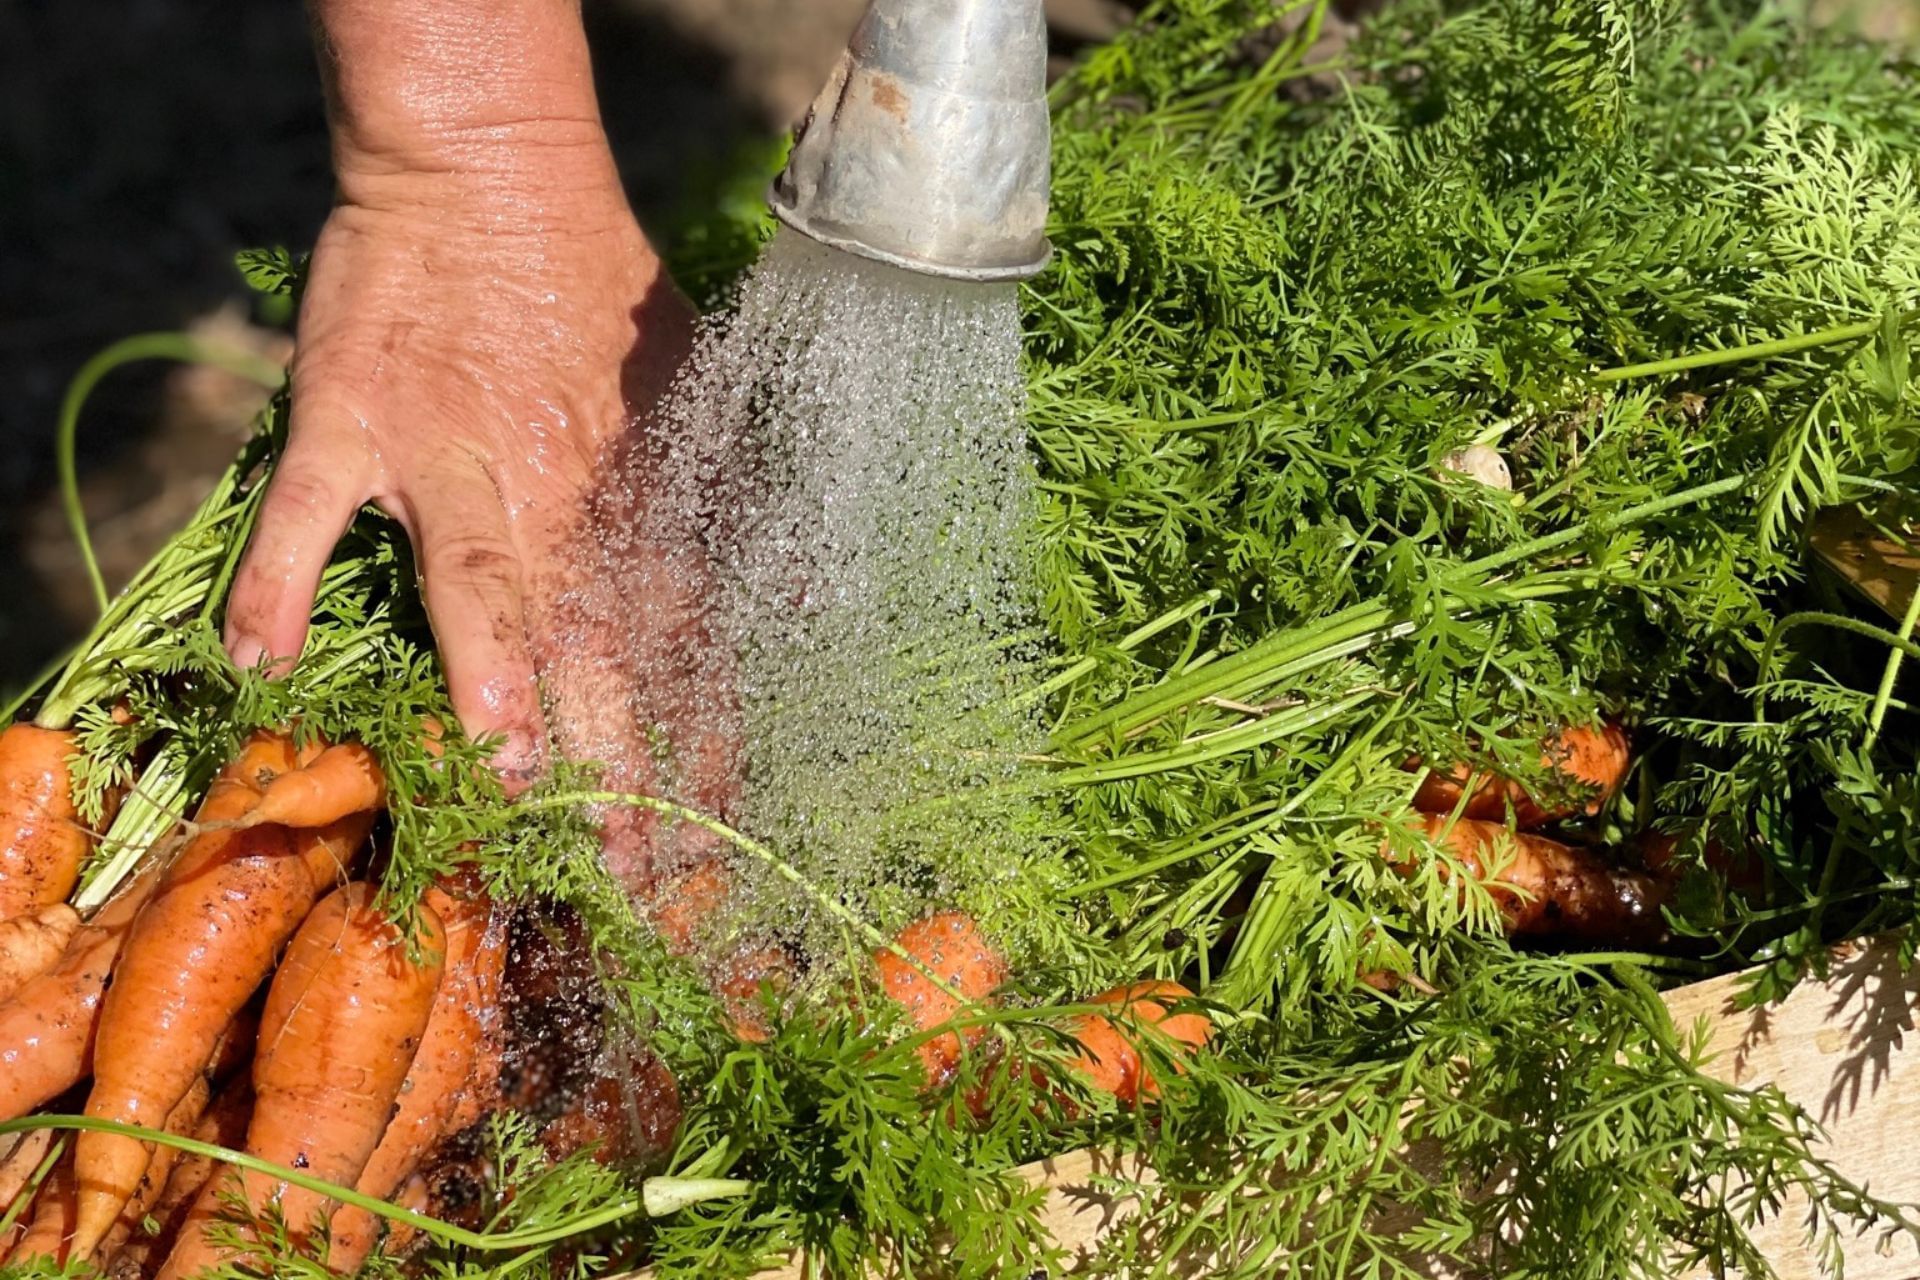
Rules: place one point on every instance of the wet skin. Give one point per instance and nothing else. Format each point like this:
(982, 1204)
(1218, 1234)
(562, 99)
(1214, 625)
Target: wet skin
(482, 318)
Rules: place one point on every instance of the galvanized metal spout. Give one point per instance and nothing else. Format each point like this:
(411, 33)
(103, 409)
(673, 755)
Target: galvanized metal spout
(929, 148)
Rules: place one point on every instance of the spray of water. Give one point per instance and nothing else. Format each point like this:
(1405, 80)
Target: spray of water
(834, 509)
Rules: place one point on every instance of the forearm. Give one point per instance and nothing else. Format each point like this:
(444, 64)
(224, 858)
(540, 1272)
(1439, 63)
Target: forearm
(455, 100)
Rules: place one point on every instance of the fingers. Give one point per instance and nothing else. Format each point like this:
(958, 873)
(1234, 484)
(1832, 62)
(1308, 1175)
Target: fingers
(472, 579)
(310, 501)
(470, 575)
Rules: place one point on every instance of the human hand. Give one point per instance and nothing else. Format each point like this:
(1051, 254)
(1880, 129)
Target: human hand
(462, 374)
(480, 313)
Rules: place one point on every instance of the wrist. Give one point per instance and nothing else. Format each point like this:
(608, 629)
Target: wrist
(458, 103)
(501, 184)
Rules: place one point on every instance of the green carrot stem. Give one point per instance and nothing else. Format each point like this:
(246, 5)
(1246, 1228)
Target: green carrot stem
(1274, 71)
(41, 679)
(176, 581)
(1354, 623)
(658, 1196)
(1209, 841)
(1829, 873)
(1739, 355)
(247, 513)
(1604, 523)
(1814, 617)
(1884, 695)
(156, 804)
(1216, 746)
(147, 346)
(1361, 625)
(1132, 640)
(1640, 959)
(1880, 888)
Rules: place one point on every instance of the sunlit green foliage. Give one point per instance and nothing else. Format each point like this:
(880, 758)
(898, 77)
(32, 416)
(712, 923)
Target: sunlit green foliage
(1665, 257)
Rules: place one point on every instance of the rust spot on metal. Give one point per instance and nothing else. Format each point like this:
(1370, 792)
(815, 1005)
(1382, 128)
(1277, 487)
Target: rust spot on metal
(888, 97)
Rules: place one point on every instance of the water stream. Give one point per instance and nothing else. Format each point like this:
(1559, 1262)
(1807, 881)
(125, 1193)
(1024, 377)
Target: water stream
(836, 498)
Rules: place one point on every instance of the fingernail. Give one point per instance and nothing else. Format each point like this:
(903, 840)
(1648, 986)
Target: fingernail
(246, 651)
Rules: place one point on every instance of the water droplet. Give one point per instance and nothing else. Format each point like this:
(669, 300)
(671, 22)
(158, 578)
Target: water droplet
(837, 493)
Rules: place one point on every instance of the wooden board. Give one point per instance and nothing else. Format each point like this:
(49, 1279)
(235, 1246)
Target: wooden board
(1881, 571)
(1841, 1049)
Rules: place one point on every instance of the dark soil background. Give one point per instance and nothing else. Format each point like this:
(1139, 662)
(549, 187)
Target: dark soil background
(142, 142)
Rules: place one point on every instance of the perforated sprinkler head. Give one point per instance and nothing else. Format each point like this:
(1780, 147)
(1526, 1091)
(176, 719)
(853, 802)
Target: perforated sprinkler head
(929, 147)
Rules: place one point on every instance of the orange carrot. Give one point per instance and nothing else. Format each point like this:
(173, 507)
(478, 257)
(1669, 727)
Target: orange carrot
(16, 1173)
(688, 901)
(1000, 1071)
(365, 1231)
(1584, 758)
(47, 1029)
(441, 1077)
(1110, 1057)
(482, 1095)
(653, 1106)
(185, 1119)
(195, 954)
(1546, 889)
(630, 1112)
(740, 980)
(683, 909)
(33, 943)
(19, 1161)
(233, 1053)
(339, 782)
(1741, 869)
(262, 758)
(50, 1234)
(223, 1124)
(479, 1094)
(343, 1019)
(594, 1122)
(192, 960)
(41, 839)
(951, 945)
(229, 1056)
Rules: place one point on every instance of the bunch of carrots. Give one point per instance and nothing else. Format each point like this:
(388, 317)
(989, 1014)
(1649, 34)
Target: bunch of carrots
(1548, 889)
(250, 993)
(1545, 889)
